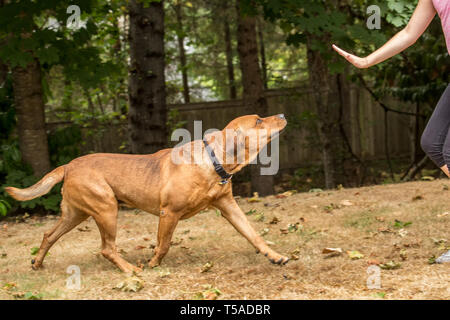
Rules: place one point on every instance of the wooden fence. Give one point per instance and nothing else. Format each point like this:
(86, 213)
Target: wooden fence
(364, 124)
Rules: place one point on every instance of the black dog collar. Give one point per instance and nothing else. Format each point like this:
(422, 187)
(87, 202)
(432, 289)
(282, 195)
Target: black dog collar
(217, 166)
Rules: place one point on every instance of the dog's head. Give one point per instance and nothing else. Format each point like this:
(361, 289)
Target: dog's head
(243, 138)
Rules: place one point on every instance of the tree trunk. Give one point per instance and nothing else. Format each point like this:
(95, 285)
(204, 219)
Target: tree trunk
(262, 52)
(147, 114)
(253, 97)
(182, 52)
(325, 90)
(30, 111)
(229, 56)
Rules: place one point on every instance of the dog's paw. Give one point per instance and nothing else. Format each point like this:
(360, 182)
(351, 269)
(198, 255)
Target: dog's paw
(281, 261)
(34, 266)
(153, 264)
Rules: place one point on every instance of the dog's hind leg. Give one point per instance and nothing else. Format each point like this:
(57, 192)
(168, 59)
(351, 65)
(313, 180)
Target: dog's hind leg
(107, 224)
(167, 223)
(70, 218)
(233, 213)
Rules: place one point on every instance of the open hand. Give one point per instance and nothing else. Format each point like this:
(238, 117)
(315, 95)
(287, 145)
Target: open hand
(358, 62)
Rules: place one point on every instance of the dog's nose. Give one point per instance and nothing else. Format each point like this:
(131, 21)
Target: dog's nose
(281, 116)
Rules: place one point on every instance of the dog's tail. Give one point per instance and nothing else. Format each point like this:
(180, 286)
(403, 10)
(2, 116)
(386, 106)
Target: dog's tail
(40, 188)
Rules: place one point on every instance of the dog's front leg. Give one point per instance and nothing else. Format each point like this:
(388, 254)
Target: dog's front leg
(233, 213)
(167, 223)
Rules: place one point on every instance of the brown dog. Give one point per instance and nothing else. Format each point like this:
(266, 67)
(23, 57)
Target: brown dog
(155, 183)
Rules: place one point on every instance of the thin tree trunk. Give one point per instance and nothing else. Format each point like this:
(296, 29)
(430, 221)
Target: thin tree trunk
(323, 86)
(147, 113)
(91, 107)
(182, 53)
(3, 73)
(30, 111)
(253, 96)
(229, 56)
(262, 53)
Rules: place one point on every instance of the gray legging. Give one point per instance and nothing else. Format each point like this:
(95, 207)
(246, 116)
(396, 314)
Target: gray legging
(436, 136)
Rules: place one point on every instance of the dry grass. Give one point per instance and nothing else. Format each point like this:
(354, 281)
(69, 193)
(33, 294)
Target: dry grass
(237, 271)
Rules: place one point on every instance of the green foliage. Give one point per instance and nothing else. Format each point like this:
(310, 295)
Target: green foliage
(14, 173)
(419, 75)
(4, 207)
(64, 144)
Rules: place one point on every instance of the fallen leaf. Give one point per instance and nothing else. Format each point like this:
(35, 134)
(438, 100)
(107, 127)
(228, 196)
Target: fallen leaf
(130, 284)
(381, 219)
(373, 262)
(34, 251)
(292, 227)
(295, 254)
(33, 296)
(419, 197)
(432, 260)
(19, 294)
(316, 190)
(163, 273)
(209, 294)
(355, 255)
(385, 230)
(260, 217)
(346, 203)
(428, 178)
(206, 267)
(402, 233)
(331, 250)
(255, 198)
(9, 286)
(275, 220)
(139, 247)
(391, 265)
(403, 254)
(443, 214)
(264, 231)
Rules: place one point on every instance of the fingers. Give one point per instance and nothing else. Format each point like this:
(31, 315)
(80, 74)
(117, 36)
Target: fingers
(356, 61)
(340, 51)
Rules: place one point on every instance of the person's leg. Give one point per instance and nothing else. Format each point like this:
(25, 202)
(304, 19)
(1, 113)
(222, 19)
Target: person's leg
(436, 132)
(436, 142)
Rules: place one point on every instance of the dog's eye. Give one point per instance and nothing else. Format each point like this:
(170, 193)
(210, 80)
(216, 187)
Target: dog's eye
(258, 121)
